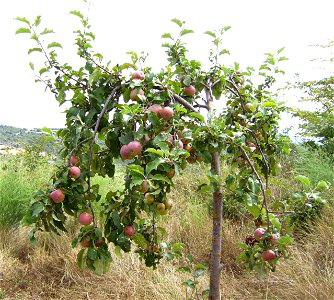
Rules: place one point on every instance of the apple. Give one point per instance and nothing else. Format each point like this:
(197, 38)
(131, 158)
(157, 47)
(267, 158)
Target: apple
(85, 218)
(134, 94)
(85, 243)
(274, 238)
(99, 242)
(156, 108)
(74, 160)
(239, 159)
(249, 107)
(168, 203)
(125, 152)
(179, 144)
(129, 230)
(268, 255)
(185, 135)
(138, 75)
(149, 198)
(259, 232)
(74, 172)
(143, 188)
(189, 90)
(259, 135)
(188, 147)
(251, 145)
(170, 173)
(156, 248)
(161, 207)
(166, 113)
(57, 196)
(135, 148)
(238, 72)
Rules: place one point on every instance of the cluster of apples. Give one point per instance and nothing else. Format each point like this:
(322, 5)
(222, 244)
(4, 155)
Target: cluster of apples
(74, 172)
(261, 234)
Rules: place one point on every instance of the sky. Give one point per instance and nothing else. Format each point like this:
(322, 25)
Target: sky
(258, 26)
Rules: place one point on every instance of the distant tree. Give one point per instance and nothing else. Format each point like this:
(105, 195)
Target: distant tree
(319, 122)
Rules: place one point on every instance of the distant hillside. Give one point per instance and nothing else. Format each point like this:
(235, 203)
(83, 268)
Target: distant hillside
(14, 137)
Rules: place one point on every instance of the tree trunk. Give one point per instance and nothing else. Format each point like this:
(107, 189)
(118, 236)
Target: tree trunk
(215, 260)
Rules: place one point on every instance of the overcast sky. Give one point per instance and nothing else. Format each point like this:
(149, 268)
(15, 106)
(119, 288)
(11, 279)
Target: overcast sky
(258, 26)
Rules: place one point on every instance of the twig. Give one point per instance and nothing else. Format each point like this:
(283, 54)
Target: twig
(110, 97)
(264, 203)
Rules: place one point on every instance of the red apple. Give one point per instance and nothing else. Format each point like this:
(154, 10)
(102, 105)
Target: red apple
(138, 75)
(85, 218)
(274, 238)
(85, 243)
(100, 242)
(135, 148)
(179, 144)
(125, 152)
(259, 232)
(155, 108)
(189, 90)
(166, 113)
(134, 94)
(57, 196)
(74, 160)
(74, 172)
(129, 230)
(251, 145)
(268, 255)
(238, 72)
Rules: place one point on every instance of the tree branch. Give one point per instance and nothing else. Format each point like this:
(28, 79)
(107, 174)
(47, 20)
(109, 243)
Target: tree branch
(264, 202)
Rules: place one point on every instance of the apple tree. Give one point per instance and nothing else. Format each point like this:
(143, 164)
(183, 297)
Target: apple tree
(156, 123)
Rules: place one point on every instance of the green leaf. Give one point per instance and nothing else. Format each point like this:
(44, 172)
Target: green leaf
(36, 208)
(116, 219)
(186, 31)
(140, 240)
(54, 44)
(177, 21)
(280, 50)
(167, 36)
(37, 21)
(92, 254)
(98, 266)
(206, 293)
(136, 169)
(322, 185)
(46, 130)
(77, 13)
(47, 31)
(152, 150)
(118, 252)
(22, 30)
(34, 50)
(153, 165)
(304, 180)
(184, 269)
(269, 104)
(22, 19)
(80, 259)
(211, 33)
(197, 115)
(224, 51)
(31, 65)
